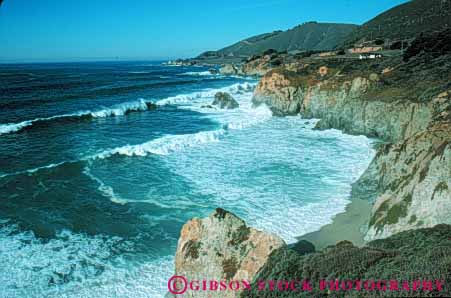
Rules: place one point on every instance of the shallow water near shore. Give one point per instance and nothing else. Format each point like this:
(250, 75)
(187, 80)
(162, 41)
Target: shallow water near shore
(95, 186)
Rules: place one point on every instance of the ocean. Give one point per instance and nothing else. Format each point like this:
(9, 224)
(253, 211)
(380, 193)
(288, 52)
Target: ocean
(95, 184)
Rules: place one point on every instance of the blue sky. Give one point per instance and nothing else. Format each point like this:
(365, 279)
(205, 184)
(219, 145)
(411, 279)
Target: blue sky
(71, 30)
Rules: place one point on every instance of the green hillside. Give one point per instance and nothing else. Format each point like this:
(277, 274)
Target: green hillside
(405, 21)
(308, 36)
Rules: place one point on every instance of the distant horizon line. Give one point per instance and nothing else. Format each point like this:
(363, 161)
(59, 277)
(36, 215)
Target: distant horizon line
(82, 60)
(118, 58)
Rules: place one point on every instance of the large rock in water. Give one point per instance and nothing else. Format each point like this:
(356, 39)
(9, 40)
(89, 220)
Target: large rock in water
(225, 101)
(230, 69)
(222, 247)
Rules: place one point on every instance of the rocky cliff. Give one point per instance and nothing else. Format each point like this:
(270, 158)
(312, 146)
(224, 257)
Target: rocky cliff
(222, 248)
(403, 101)
(406, 104)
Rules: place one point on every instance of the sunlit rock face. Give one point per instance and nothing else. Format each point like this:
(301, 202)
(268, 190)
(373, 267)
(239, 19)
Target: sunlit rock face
(409, 180)
(222, 247)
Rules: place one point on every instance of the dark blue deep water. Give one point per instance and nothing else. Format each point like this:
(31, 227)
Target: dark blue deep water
(95, 184)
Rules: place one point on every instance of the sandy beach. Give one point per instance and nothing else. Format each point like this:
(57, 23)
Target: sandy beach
(345, 226)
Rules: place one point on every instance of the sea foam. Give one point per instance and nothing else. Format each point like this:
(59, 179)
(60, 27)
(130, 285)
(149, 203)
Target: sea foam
(76, 265)
(195, 73)
(165, 145)
(242, 118)
(127, 107)
(208, 93)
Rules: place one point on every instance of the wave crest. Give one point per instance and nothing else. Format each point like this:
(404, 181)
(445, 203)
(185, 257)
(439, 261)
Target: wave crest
(165, 145)
(197, 73)
(117, 110)
(127, 107)
(238, 88)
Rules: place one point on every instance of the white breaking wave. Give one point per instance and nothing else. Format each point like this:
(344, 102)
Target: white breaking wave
(162, 146)
(13, 127)
(139, 105)
(165, 145)
(29, 264)
(195, 73)
(117, 110)
(238, 119)
(208, 93)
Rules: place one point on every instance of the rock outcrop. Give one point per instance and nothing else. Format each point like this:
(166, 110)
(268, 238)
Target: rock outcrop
(343, 105)
(413, 183)
(406, 104)
(258, 66)
(230, 69)
(224, 100)
(222, 247)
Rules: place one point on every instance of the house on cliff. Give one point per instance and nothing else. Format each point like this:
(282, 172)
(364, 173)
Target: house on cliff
(370, 56)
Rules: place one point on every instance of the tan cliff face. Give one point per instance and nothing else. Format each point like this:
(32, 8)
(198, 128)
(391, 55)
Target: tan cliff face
(279, 93)
(257, 67)
(415, 179)
(253, 67)
(409, 181)
(221, 247)
(340, 105)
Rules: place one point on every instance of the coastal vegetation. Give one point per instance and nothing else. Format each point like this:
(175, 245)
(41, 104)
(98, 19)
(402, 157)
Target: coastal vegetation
(407, 256)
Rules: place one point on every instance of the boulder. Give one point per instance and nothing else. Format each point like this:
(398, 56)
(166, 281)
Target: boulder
(222, 247)
(229, 69)
(225, 101)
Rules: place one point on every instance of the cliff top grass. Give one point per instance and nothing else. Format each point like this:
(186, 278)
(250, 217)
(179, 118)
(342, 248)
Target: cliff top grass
(420, 74)
(404, 22)
(412, 255)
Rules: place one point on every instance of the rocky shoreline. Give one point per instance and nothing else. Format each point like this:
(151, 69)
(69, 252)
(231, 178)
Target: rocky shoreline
(408, 181)
(403, 101)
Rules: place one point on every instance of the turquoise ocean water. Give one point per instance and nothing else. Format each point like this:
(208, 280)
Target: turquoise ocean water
(95, 186)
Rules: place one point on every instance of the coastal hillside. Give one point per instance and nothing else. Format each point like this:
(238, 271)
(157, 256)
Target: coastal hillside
(308, 36)
(404, 101)
(404, 22)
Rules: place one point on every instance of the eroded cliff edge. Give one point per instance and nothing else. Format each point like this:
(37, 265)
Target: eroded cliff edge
(404, 102)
